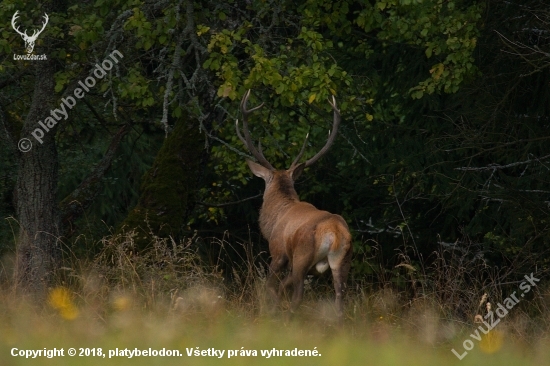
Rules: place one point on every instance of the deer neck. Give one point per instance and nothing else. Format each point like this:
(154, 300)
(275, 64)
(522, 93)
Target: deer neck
(278, 199)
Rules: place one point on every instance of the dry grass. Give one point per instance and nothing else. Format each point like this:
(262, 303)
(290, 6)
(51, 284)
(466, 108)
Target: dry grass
(167, 298)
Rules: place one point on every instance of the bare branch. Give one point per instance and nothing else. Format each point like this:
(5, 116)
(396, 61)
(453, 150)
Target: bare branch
(114, 34)
(11, 80)
(207, 204)
(84, 195)
(498, 167)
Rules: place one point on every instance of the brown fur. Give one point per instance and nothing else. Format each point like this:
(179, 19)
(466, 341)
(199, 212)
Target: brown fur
(300, 236)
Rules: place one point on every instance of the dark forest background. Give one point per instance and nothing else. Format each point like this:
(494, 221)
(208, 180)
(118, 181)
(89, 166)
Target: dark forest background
(443, 145)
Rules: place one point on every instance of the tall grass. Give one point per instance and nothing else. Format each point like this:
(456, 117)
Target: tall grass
(167, 297)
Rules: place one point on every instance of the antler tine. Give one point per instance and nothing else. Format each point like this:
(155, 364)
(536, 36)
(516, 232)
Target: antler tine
(300, 153)
(247, 141)
(239, 132)
(245, 101)
(332, 136)
(36, 33)
(260, 148)
(13, 19)
(46, 18)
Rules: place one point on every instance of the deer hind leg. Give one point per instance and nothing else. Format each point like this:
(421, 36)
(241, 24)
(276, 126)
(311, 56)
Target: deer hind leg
(285, 284)
(300, 267)
(275, 268)
(340, 262)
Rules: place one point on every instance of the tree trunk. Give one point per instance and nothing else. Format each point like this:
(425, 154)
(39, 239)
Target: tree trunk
(168, 189)
(38, 252)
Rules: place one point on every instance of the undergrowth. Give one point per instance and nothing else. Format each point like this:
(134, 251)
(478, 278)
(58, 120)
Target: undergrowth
(170, 296)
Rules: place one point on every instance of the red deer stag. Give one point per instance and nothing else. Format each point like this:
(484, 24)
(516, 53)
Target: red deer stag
(300, 236)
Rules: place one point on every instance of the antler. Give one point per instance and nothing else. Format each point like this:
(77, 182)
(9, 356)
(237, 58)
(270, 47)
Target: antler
(34, 33)
(13, 18)
(331, 137)
(295, 162)
(247, 140)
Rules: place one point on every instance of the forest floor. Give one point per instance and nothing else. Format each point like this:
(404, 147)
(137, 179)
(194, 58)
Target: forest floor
(119, 308)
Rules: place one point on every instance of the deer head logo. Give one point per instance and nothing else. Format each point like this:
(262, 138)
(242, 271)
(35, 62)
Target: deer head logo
(29, 40)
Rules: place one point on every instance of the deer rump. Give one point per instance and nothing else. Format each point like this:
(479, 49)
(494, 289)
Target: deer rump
(312, 239)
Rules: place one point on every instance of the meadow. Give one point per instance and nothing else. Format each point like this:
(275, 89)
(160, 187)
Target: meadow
(166, 298)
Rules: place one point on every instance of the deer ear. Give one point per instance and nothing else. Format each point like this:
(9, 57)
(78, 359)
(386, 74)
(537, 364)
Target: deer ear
(259, 170)
(297, 171)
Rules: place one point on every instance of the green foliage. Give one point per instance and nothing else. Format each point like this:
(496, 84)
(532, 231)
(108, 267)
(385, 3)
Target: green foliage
(443, 135)
(311, 64)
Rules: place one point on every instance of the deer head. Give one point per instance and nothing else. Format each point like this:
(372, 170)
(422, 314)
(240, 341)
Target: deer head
(29, 40)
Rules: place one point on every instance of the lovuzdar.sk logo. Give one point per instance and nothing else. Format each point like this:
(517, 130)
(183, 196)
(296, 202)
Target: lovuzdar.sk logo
(29, 40)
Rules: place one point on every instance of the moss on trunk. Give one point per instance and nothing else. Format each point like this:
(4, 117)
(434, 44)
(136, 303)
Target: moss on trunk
(168, 188)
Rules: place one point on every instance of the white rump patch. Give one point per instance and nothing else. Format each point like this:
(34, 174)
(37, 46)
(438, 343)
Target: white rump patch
(328, 239)
(321, 256)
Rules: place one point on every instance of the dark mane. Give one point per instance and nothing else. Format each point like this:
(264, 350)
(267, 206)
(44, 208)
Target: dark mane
(286, 187)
